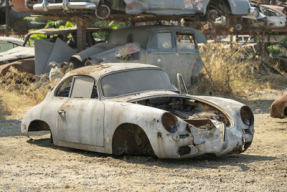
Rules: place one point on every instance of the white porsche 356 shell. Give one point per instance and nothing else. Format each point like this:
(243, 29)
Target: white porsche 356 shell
(130, 108)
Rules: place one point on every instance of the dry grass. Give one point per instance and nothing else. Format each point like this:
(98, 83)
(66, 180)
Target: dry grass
(226, 72)
(25, 84)
(14, 106)
(19, 92)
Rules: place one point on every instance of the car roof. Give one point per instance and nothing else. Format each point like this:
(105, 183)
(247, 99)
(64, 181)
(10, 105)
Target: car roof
(97, 71)
(200, 37)
(65, 30)
(11, 39)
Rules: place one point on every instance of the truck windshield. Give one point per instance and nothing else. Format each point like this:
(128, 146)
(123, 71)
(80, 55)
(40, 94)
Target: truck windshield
(135, 81)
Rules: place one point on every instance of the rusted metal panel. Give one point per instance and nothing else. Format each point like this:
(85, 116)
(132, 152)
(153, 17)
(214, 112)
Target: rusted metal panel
(19, 5)
(81, 34)
(278, 107)
(60, 53)
(82, 122)
(43, 50)
(24, 65)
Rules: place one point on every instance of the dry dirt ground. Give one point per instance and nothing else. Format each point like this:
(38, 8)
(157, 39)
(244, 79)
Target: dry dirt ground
(34, 164)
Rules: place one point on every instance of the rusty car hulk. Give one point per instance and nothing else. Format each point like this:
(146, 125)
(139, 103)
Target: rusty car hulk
(68, 35)
(135, 9)
(173, 48)
(131, 108)
(278, 108)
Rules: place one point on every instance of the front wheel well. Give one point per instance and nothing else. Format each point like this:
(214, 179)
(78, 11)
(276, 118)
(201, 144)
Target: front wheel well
(131, 139)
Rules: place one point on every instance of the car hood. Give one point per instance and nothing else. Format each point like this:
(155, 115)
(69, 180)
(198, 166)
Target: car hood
(145, 95)
(17, 53)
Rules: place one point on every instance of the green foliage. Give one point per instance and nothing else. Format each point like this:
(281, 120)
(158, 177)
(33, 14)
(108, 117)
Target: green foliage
(284, 42)
(35, 19)
(50, 23)
(274, 50)
(105, 24)
(66, 24)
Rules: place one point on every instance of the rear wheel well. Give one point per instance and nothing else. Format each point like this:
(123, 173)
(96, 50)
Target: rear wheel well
(131, 139)
(38, 125)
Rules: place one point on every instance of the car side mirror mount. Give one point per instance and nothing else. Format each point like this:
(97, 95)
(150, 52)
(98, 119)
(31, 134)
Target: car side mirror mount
(180, 82)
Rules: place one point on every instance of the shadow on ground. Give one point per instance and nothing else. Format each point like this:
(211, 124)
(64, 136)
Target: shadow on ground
(209, 162)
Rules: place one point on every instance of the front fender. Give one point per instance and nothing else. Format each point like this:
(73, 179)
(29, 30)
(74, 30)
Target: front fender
(149, 119)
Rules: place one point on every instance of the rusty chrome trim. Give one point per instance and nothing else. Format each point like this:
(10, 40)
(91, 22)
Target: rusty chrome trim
(179, 81)
(65, 5)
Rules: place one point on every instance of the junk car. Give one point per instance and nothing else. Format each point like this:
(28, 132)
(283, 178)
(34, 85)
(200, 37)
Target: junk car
(68, 35)
(264, 16)
(23, 57)
(173, 48)
(278, 108)
(7, 43)
(103, 9)
(16, 20)
(131, 108)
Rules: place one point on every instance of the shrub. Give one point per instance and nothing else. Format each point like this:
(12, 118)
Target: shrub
(230, 71)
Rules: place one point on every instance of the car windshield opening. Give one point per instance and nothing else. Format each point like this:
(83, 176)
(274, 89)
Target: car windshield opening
(135, 81)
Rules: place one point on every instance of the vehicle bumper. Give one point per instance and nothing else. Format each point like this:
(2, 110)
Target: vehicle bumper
(194, 142)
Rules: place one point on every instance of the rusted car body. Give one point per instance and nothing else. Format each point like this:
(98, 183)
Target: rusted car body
(25, 65)
(174, 49)
(16, 19)
(130, 108)
(7, 43)
(265, 16)
(27, 50)
(278, 108)
(103, 9)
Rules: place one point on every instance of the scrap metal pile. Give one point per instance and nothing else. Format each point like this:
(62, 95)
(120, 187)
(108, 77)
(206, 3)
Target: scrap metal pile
(138, 44)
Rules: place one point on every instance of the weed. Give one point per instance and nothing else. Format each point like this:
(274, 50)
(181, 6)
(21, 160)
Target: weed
(25, 84)
(233, 71)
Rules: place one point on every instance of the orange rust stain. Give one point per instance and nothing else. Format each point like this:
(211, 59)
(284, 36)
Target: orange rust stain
(88, 69)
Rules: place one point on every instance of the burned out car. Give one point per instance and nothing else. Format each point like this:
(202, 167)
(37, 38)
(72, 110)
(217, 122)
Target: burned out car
(173, 48)
(130, 108)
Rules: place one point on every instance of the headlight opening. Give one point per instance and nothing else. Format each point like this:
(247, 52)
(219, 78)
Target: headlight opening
(169, 122)
(247, 115)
